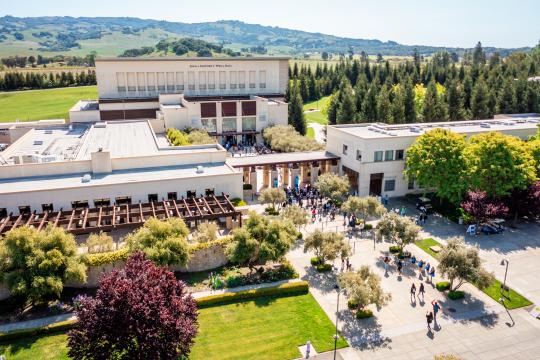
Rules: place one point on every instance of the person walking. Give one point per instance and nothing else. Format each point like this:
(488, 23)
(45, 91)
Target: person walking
(429, 319)
(386, 261)
(399, 266)
(436, 308)
(413, 292)
(431, 273)
(421, 291)
(308, 349)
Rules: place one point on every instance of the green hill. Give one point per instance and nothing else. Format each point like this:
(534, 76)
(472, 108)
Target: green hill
(111, 36)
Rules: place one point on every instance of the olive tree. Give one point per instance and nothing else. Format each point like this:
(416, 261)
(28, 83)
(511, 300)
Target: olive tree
(260, 240)
(398, 229)
(363, 207)
(206, 231)
(363, 287)
(461, 263)
(327, 245)
(163, 241)
(272, 196)
(36, 264)
(333, 186)
(296, 215)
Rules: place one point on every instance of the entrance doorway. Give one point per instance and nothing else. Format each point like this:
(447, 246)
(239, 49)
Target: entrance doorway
(375, 184)
(353, 178)
(248, 139)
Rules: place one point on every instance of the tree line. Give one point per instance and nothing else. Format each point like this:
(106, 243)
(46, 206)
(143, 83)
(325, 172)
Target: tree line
(27, 80)
(445, 88)
(17, 61)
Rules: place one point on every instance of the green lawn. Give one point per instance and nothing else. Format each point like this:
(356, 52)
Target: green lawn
(266, 328)
(317, 104)
(42, 104)
(513, 300)
(317, 116)
(310, 133)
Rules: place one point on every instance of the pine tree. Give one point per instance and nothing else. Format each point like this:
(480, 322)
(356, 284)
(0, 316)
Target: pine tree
(296, 111)
(430, 103)
(480, 101)
(479, 57)
(408, 102)
(333, 109)
(398, 105)
(346, 113)
(455, 102)
(369, 105)
(507, 98)
(383, 105)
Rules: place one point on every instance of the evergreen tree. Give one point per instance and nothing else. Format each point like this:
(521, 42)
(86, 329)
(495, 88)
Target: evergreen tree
(346, 113)
(429, 111)
(480, 101)
(383, 105)
(455, 102)
(296, 111)
(408, 102)
(398, 105)
(369, 105)
(507, 98)
(479, 57)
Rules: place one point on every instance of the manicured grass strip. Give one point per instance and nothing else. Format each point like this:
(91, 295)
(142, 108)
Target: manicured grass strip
(316, 117)
(266, 328)
(426, 243)
(42, 104)
(317, 104)
(513, 300)
(310, 133)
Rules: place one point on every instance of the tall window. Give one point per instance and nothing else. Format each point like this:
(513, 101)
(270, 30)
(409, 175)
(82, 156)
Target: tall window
(345, 149)
(209, 125)
(241, 79)
(191, 80)
(389, 185)
(229, 124)
(222, 80)
(202, 80)
(234, 79)
(249, 123)
(399, 154)
(389, 155)
(211, 80)
(252, 84)
(378, 156)
(262, 79)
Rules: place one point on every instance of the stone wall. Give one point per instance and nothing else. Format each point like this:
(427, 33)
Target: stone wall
(200, 260)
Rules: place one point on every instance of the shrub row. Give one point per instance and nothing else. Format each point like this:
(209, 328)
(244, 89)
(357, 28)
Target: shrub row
(298, 287)
(456, 295)
(44, 330)
(324, 267)
(443, 285)
(364, 314)
(122, 254)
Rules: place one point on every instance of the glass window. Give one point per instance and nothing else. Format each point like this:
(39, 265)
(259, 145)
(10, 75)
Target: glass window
(172, 196)
(399, 154)
(358, 155)
(222, 80)
(345, 148)
(209, 125)
(262, 79)
(378, 156)
(410, 185)
(389, 185)
(229, 124)
(389, 155)
(249, 123)
(152, 197)
(241, 79)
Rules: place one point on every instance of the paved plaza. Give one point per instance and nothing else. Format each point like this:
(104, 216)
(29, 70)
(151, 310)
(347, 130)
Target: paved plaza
(475, 328)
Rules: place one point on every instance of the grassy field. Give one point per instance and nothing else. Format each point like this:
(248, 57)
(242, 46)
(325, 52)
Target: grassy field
(317, 116)
(266, 328)
(310, 133)
(513, 300)
(42, 104)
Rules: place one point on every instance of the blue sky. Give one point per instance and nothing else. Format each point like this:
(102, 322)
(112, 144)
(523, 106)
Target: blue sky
(427, 22)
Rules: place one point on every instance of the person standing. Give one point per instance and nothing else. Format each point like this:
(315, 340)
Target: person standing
(413, 292)
(429, 319)
(308, 349)
(421, 291)
(436, 308)
(386, 261)
(399, 266)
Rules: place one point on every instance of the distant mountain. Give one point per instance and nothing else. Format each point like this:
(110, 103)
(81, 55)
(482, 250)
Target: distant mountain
(113, 35)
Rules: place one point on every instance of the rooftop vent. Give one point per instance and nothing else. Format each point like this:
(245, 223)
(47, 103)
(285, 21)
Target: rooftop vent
(485, 125)
(200, 169)
(415, 129)
(48, 132)
(100, 125)
(392, 133)
(38, 142)
(86, 178)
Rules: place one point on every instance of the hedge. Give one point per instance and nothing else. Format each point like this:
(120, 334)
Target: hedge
(442, 285)
(122, 254)
(456, 295)
(61, 326)
(364, 314)
(248, 187)
(323, 267)
(238, 202)
(394, 249)
(315, 261)
(297, 287)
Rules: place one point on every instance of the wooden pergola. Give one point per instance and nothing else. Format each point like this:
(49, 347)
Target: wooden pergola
(107, 218)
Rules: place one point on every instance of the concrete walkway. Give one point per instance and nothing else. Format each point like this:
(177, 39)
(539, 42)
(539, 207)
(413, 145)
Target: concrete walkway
(318, 129)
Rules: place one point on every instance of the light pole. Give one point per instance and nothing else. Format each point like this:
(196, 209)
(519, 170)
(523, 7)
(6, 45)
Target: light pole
(503, 286)
(337, 319)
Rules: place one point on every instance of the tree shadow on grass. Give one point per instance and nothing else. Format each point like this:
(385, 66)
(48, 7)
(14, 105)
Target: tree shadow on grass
(15, 346)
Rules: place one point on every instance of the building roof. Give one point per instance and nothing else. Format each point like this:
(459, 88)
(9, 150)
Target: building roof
(77, 142)
(117, 177)
(280, 158)
(179, 58)
(380, 130)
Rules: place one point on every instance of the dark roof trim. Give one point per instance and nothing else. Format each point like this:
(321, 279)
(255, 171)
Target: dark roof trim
(178, 58)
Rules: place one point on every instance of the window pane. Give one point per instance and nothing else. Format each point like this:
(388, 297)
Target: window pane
(389, 155)
(229, 124)
(345, 148)
(399, 154)
(249, 123)
(389, 185)
(209, 125)
(378, 156)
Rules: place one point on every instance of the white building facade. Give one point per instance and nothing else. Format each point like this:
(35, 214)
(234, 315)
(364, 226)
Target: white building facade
(373, 155)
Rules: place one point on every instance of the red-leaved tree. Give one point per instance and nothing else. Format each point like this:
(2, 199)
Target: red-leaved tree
(139, 312)
(525, 202)
(482, 208)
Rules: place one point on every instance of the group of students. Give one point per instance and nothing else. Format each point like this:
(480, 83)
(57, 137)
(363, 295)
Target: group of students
(424, 266)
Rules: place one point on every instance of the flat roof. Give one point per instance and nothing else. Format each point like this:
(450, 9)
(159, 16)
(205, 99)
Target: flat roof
(77, 142)
(179, 58)
(280, 158)
(380, 130)
(74, 181)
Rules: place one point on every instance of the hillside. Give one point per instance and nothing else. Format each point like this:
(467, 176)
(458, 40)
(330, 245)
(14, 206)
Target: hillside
(111, 36)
